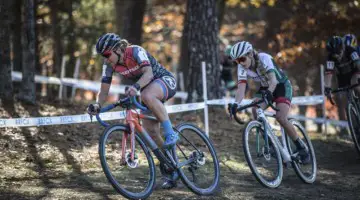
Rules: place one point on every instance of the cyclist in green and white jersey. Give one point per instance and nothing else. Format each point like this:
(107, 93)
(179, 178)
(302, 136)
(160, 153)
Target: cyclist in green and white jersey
(274, 87)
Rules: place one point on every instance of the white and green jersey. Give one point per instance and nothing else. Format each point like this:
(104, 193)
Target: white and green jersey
(264, 65)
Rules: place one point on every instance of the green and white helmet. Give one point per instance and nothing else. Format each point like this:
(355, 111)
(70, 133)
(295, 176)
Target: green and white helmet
(240, 49)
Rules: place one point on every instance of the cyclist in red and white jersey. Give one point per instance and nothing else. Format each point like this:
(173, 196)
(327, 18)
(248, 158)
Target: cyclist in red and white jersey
(154, 82)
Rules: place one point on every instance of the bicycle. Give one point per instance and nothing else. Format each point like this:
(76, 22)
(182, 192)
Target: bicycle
(352, 112)
(136, 165)
(270, 152)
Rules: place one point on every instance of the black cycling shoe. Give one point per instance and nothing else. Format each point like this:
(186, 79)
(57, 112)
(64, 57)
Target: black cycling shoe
(169, 177)
(168, 184)
(304, 156)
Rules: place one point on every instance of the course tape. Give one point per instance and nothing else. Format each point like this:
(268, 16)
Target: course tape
(303, 100)
(82, 84)
(76, 119)
(315, 119)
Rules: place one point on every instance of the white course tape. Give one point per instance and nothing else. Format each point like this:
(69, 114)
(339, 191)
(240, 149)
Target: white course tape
(76, 119)
(57, 120)
(82, 84)
(303, 100)
(316, 119)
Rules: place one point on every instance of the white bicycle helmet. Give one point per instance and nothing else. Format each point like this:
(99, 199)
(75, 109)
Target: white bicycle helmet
(240, 49)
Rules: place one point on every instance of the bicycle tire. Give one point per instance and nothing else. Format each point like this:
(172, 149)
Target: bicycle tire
(267, 183)
(297, 166)
(128, 194)
(354, 135)
(186, 180)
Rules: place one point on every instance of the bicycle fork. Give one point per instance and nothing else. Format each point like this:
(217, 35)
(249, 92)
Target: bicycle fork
(126, 157)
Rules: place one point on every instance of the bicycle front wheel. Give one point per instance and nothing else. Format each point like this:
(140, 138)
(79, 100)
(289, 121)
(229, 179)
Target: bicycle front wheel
(307, 173)
(134, 179)
(196, 155)
(354, 124)
(263, 158)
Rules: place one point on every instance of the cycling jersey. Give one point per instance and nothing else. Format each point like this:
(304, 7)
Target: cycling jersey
(264, 65)
(135, 58)
(348, 63)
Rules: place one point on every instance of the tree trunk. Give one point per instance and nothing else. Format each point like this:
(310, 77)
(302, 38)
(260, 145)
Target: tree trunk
(184, 54)
(203, 46)
(16, 36)
(28, 43)
(38, 67)
(220, 7)
(56, 34)
(6, 88)
(133, 17)
(71, 46)
(120, 6)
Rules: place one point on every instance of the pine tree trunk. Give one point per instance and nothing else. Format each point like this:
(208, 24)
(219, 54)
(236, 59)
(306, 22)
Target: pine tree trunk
(184, 54)
(28, 88)
(56, 34)
(70, 66)
(220, 7)
(120, 6)
(203, 46)
(6, 88)
(132, 21)
(16, 36)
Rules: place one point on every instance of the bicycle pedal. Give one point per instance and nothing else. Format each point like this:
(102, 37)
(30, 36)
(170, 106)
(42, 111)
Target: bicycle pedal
(287, 165)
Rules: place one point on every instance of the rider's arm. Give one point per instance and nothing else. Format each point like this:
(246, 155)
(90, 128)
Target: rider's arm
(330, 66)
(272, 81)
(241, 84)
(143, 61)
(355, 57)
(105, 83)
(146, 77)
(240, 93)
(327, 80)
(270, 71)
(103, 93)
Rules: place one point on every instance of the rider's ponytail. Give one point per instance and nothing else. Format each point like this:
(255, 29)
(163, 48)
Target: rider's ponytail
(123, 44)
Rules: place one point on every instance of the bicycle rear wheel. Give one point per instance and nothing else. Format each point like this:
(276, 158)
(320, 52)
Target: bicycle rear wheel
(133, 179)
(307, 173)
(200, 171)
(354, 124)
(264, 160)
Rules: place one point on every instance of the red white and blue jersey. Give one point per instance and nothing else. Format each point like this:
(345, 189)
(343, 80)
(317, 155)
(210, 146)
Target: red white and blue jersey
(135, 58)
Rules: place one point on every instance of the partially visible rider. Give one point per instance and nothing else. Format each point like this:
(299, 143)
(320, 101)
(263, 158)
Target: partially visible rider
(274, 87)
(343, 61)
(154, 82)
